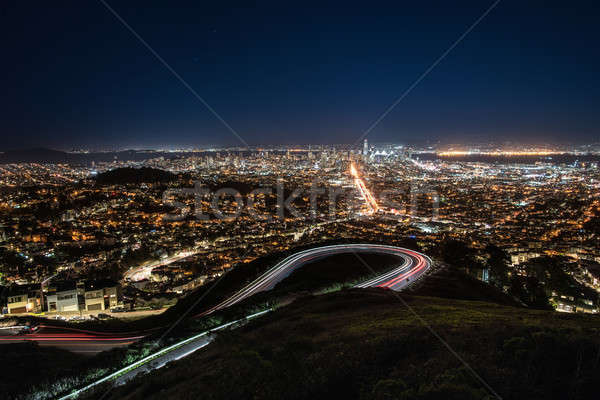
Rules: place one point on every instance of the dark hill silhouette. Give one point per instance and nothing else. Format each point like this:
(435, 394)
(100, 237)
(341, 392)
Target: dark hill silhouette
(135, 175)
(35, 155)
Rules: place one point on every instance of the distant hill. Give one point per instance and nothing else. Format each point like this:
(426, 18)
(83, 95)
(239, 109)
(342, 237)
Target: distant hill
(35, 155)
(135, 175)
(44, 155)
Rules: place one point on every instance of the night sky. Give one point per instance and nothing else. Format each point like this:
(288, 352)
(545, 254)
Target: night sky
(74, 76)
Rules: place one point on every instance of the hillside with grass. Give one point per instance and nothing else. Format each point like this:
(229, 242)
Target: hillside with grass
(372, 344)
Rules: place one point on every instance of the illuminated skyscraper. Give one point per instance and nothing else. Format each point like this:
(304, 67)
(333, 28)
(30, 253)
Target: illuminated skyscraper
(324, 158)
(365, 147)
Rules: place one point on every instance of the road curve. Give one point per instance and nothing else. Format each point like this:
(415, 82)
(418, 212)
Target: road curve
(414, 265)
(143, 272)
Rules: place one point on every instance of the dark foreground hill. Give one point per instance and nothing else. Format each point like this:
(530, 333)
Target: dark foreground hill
(355, 343)
(371, 344)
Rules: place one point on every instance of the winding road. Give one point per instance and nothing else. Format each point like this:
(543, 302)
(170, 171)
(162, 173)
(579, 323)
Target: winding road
(412, 266)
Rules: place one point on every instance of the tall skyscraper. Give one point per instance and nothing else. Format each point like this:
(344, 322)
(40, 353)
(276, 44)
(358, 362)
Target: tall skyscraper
(324, 158)
(365, 147)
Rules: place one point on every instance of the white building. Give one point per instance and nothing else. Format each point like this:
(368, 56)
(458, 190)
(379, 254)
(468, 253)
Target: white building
(64, 297)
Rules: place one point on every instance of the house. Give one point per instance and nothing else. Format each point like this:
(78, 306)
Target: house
(102, 295)
(65, 297)
(23, 299)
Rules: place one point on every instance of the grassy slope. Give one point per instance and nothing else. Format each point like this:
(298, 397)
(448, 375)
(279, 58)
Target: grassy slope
(22, 364)
(454, 284)
(336, 269)
(367, 344)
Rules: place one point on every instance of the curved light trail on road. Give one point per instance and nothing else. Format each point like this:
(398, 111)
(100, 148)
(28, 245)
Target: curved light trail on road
(413, 266)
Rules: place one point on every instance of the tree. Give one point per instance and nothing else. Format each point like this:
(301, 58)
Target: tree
(498, 264)
(460, 255)
(530, 291)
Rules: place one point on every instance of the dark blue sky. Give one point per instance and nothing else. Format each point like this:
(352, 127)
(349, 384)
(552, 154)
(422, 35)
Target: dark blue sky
(74, 76)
